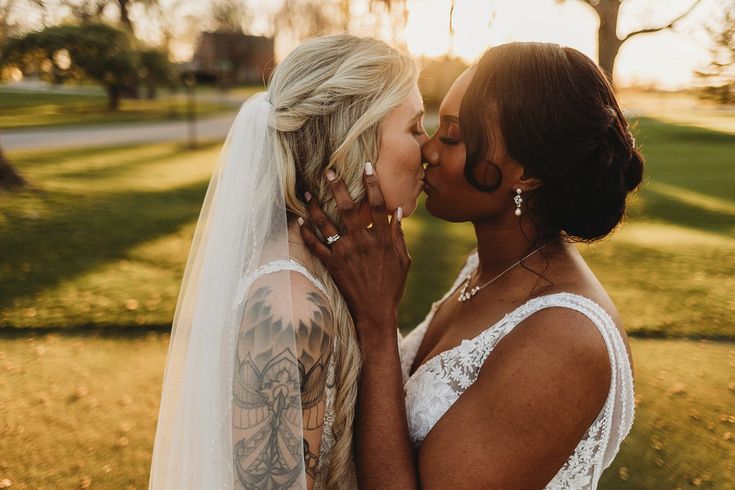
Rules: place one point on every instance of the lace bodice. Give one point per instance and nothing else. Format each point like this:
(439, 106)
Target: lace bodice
(438, 383)
(327, 441)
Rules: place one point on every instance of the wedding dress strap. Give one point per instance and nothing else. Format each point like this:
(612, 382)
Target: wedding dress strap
(272, 267)
(618, 411)
(289, 265)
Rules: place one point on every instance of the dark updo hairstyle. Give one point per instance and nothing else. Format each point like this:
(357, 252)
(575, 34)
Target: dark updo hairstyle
(560, 120)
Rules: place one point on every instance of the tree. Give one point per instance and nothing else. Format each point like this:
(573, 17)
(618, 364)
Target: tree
(95, 51)
(9, 177)
(87, 10)
(156, 70)
(229, 16)
(609, 42)
(93, 10)
(7, 26)
(720, 74)
(124, 7)
(309, 18)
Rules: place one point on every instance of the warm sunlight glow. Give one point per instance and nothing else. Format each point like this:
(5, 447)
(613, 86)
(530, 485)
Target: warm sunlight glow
(666, 59)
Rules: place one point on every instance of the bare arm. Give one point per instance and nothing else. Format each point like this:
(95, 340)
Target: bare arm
(273, 386)
(536, 396)
(370, 267)
(385, 456)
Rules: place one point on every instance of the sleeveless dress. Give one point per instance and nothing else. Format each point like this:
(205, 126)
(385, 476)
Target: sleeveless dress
(436, 384)
(327, 441)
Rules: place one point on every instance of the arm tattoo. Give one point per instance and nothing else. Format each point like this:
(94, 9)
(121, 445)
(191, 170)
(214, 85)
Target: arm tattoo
(277, 390)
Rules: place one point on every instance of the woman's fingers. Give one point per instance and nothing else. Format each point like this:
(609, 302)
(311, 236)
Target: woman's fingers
(321, 220)
(377, 201)
(347, 207)
(321, 251)
(399, 240)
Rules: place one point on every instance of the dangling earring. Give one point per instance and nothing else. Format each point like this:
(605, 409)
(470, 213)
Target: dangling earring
(518, 200)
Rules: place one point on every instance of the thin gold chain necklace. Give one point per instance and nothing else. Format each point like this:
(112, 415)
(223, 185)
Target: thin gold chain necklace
(465, 294)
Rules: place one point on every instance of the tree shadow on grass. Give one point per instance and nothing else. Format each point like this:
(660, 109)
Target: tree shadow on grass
(692, 158)
(86, 232)
(124, 166)
(33, 159)
(659, 206)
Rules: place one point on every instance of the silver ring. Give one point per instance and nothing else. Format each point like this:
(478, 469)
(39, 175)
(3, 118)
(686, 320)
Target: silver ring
(332, 239)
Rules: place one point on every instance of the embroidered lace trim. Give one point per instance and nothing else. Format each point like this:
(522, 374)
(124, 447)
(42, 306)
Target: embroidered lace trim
(439, 382)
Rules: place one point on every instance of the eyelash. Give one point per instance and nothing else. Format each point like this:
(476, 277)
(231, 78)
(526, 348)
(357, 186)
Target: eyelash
(448, 141)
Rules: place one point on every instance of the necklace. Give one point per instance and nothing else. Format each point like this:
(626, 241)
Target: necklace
(465, 294)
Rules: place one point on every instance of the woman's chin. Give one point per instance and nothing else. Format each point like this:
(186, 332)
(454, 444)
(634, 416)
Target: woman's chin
(410, 208)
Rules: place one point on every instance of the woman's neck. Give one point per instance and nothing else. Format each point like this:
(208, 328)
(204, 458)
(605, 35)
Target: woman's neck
(499, 246)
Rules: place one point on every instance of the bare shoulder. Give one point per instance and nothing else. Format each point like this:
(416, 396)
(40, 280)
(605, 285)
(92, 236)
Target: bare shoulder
(290, 297)
(564, 341)
(536, 395)
(285, 309)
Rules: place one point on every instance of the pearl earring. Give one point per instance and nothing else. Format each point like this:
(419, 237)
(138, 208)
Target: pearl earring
(518, 200)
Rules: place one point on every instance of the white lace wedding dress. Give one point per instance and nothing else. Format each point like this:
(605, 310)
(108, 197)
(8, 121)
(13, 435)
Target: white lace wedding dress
(327, 441)
(439, 382)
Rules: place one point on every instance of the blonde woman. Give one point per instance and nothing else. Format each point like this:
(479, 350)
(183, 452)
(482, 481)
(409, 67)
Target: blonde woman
(261, 378)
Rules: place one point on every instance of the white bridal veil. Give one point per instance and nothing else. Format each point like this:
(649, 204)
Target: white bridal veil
(230, 414)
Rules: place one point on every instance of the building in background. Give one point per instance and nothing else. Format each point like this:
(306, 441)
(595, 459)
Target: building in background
(233, 58)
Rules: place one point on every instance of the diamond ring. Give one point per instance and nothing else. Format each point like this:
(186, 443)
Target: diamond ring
(332, 239)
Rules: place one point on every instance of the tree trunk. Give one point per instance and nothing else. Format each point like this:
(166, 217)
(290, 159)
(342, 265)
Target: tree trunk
(125, 16)
(607, 36)
(9, 177)
(114, 94)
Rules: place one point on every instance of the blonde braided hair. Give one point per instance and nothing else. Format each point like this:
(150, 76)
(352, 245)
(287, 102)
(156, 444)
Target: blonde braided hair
(329, 96)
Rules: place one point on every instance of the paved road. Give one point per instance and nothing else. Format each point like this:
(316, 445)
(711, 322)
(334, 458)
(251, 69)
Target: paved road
(112, 135)
(122, 134)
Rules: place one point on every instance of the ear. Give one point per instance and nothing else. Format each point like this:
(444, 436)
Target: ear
(529, 183)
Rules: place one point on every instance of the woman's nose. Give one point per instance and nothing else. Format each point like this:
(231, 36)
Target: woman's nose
(429, 152)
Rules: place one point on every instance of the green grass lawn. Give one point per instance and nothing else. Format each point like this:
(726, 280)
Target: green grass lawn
(26, 110)
(102, 238)
(83, 408)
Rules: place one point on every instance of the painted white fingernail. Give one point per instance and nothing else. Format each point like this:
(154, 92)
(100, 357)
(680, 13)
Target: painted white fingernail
(399, 214)
(301, 221)
(331, 176)
(307, 196)
(369, 170)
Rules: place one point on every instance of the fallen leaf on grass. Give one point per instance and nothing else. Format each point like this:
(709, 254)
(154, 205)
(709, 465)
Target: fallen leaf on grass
(80, 392)
(678, 389)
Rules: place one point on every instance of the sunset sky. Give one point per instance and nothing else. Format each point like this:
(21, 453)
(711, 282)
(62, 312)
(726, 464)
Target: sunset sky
(666, 58)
